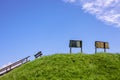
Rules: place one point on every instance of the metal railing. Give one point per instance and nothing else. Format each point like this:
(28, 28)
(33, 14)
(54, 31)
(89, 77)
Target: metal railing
(14, 65)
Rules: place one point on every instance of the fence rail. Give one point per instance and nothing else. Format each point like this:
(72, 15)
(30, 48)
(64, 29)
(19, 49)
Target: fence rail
(13, 65)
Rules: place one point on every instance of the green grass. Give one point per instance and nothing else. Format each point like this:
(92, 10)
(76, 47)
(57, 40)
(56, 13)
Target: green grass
(101, 66)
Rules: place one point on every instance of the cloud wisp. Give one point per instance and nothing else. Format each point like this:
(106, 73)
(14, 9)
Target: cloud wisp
(69, 1)
(105, 10)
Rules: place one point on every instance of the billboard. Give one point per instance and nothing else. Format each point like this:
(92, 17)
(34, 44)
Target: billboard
(75, 43)
(106, 45)
(100, 44)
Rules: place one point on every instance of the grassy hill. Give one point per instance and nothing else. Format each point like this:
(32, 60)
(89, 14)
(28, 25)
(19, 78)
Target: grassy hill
(101, 66)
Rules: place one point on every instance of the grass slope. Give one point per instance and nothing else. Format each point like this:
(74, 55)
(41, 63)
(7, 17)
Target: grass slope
(100, 66)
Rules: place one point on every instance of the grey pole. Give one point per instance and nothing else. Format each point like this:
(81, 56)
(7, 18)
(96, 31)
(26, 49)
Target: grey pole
(70, 50)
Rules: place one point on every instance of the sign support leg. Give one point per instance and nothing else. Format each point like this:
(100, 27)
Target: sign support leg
(81, 50)
(104, 50)
(95, 50)
(70, 50)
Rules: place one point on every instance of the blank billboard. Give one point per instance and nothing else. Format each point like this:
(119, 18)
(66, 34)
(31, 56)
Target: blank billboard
(100, 44)
(75, 43)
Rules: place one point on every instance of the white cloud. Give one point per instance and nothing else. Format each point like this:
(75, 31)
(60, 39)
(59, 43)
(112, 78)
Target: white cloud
(70, 1)
(107, 11)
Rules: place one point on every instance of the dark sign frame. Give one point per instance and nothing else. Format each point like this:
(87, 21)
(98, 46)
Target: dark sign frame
(75, 44)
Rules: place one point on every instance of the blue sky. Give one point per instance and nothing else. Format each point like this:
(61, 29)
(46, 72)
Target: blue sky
(29, 26)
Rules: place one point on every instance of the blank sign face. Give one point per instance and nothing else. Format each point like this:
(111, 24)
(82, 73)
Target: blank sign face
(75, 43)
(78, 43)
(106, 45)
(99, 44)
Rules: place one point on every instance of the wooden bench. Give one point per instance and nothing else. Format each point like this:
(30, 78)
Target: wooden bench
(14, 65)
(39, 54)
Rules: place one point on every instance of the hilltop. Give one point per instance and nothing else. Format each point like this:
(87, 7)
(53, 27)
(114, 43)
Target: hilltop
(100, 66)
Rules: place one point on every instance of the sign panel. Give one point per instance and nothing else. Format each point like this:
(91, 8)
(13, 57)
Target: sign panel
(75, 43)
(106, 45)
(99, 44)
